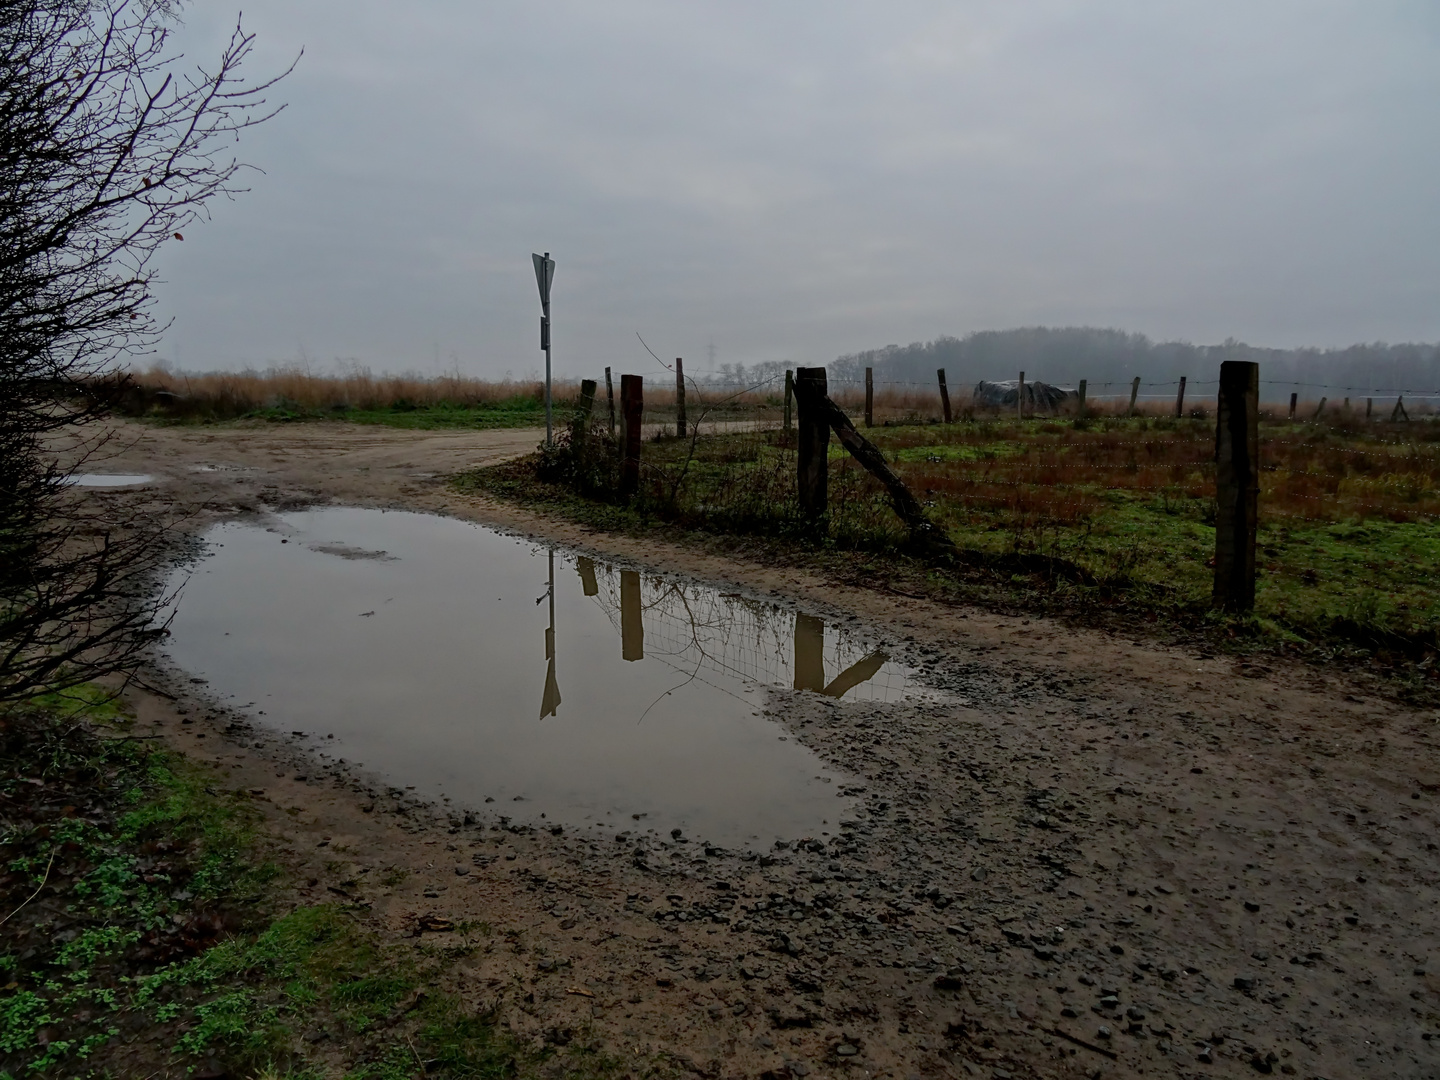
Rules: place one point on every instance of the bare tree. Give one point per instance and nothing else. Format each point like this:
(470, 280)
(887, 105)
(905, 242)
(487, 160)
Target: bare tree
(109, 147)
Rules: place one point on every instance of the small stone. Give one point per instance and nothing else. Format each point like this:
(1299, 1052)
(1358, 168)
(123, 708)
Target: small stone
(1245, 983)
(1118, 950)
(1103, 1032)
(846, 1050)
(1249, 906)
(1205, 1056)
(1135, 1013)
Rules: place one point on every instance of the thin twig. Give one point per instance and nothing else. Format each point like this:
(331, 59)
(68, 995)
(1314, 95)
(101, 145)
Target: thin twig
(36, 893)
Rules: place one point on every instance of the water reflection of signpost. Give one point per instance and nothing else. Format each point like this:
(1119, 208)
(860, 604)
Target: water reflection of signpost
(810, 661)
(632, 629)
(550, 701)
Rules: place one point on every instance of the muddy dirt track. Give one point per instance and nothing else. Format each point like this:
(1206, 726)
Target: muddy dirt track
(1096, 857)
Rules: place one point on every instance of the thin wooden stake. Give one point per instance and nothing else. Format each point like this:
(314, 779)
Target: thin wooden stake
(869, 397)
(610, 394)
(1180, 400)
(944, 396)
(1134, 393)
(1293, 399)
(789, 396)
(1020, 397)
(679, 397)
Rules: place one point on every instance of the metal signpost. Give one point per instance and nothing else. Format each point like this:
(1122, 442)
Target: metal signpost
(544, 275)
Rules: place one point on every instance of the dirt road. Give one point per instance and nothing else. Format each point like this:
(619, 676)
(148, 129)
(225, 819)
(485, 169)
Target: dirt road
(1098, 857)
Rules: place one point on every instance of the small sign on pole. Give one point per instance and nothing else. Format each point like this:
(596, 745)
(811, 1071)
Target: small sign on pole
(544, 275)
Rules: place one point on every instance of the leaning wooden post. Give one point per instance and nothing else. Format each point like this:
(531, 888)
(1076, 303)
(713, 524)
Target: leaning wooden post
(789, 396)
(944, 396)
(1293, 399)
(1180, 400)
(1134, 393)
(1237, 484)
(1020, 397)
(679, 397)
(1399, 410)
(869, 397)
(1319, 411)
(1080, 406)
(812, 465)
(632, 413)
(610, 393)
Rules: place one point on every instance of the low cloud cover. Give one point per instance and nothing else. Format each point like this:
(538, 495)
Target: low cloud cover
(749, 182)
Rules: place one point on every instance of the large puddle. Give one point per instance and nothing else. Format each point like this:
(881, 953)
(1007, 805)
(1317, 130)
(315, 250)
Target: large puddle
(473, 665)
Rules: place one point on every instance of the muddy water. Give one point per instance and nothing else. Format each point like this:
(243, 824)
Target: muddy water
(105, 480)
(479, 667)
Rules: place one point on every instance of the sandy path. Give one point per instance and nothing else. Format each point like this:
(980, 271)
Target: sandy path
(1229, 869)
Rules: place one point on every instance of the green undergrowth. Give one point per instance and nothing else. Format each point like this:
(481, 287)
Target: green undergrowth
(1089, 542)
(146, 933)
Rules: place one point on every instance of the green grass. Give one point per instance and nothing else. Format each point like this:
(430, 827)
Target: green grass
(160, 935)
(522, 410)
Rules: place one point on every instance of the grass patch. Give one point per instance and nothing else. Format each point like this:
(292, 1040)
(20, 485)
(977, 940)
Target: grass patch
(148, 935)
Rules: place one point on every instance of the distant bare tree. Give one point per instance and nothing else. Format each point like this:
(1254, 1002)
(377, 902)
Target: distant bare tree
(109, 148)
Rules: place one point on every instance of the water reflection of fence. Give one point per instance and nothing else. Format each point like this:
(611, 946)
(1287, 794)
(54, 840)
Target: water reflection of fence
(695, 630)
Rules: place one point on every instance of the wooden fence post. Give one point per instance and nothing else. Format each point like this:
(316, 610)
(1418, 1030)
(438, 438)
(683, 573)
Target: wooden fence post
(1399, 410)
(944, 396)
(1369, 408)
(813, 445)
(1319, 410)
(1180, 400)
(679, 397)
(610, 393)
(580, 426)
(1020, 397)
(869, 397)
(789, 396)
(1134, 393)
(632, 413)
(1080, 408)
(1293, 399)
(1237, 484)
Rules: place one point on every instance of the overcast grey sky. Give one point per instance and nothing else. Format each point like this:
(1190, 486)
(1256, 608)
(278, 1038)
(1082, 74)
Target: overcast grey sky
(796, 179)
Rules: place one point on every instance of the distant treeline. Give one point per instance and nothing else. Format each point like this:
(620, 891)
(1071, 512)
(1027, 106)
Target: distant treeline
(1066, 355)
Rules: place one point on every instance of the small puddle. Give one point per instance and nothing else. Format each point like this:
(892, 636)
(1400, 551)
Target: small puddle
(474, 665)
(107, 480)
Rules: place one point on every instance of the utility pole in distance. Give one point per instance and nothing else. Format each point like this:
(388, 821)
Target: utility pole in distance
(544, 275)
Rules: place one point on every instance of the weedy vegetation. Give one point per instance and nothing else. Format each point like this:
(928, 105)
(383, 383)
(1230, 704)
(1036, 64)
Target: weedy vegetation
(1101, 517)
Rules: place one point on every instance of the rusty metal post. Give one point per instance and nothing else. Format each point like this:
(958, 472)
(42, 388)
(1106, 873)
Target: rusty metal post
(812, 465)
(1237, 484)
(869, 397)
(632, 413)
